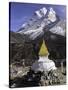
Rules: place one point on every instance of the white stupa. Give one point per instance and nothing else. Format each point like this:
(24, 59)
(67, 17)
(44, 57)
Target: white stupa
(43, 64)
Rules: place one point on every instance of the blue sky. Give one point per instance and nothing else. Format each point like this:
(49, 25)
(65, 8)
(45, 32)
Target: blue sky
(21, 12)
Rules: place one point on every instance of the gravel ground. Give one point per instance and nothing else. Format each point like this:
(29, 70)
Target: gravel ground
(17, 73)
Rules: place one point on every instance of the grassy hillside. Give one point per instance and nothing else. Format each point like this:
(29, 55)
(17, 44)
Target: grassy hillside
(43, 50)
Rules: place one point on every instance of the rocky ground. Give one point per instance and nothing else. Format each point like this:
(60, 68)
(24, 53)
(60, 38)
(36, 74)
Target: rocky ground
(18, 77)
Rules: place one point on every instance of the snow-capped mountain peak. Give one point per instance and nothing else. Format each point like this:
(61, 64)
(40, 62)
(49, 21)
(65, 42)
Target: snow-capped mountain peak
(34, 27)
(41, 13)
(52, 15)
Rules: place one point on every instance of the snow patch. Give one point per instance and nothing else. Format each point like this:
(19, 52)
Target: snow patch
(58, 30)
(52, 15)
(42, 12)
